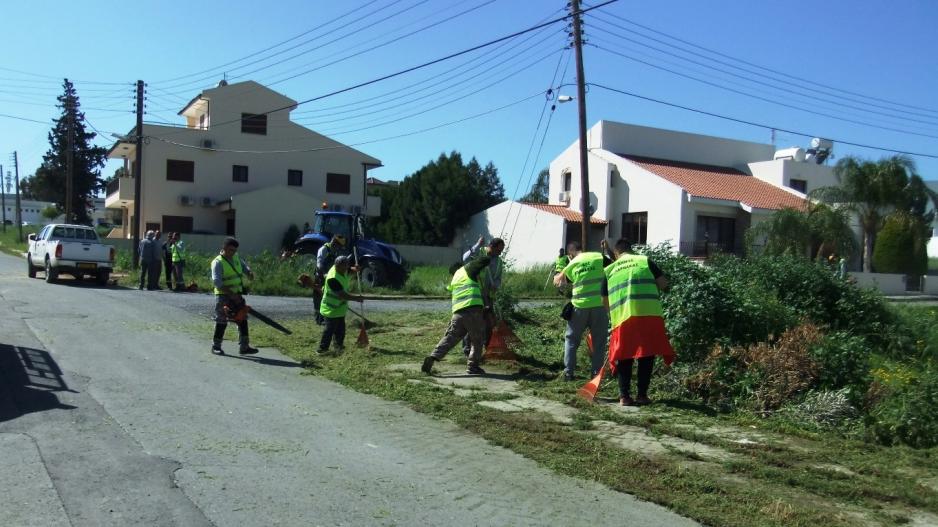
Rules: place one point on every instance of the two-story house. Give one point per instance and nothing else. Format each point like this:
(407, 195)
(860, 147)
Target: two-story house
(699, 193)
(238, 167)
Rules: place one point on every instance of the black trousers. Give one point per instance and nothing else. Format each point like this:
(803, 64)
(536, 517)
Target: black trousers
(624, 370)
(168, 265)
(335, 329)
(144, 274)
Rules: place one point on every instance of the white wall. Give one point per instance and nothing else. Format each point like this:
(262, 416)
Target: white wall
(637, 190)
(888, 284)
(531, 236)
(780, 172)
(429, 255)
(263, 216)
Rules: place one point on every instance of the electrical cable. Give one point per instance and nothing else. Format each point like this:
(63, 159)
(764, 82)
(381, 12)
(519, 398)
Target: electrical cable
(764, 99)
(414, 68)
(59, 79)
(760, 125)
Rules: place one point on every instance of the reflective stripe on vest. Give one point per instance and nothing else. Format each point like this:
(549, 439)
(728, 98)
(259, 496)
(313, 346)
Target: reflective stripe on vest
(332, 306)
(230, 274)
(632, 289)
(466, 291)
(586, 273)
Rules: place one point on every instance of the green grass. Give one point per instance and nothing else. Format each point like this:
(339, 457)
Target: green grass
(9, 240)
(778, 482)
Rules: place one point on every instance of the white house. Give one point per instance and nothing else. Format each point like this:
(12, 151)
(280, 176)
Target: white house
(30, 210)
(700, 193)
(238, 167)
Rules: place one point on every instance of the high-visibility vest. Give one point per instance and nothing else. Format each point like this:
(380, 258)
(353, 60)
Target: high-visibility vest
(560, 263)
(632, 289)
(586, 273)
(178, 250)
(466, 291)
(332, 306)
(231, 274)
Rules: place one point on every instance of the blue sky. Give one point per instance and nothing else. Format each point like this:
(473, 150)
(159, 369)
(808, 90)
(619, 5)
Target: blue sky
(861, 71)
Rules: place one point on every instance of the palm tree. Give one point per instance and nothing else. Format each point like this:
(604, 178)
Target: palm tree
(872, 190)
(814, 232)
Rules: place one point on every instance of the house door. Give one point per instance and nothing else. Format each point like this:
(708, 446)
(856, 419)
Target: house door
(715, 234)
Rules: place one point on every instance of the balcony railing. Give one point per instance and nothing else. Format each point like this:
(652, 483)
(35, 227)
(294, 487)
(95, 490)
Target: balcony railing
(113, 186)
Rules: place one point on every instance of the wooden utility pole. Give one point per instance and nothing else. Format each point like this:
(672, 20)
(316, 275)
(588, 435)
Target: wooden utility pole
(19, 210)
(69, 158)
(581, 107)
(138, 162)
(3, 200)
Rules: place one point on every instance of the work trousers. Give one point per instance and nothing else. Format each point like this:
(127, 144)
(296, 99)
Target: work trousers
(469, 321)
(624, 371)
(178, 268)
(150, 273)
(168, 267)
(594, 319)
(488, 317)
(334, 331)
(221, 323)
(145, 275)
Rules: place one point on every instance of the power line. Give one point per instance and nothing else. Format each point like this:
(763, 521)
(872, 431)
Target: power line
(760, 125)
(320, 26)
(414, 68)
(760, 82)
(765, 99)
(22, 118)
(718, 53)
(59, 79)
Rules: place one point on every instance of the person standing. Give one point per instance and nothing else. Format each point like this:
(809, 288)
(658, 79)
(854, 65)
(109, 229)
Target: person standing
(490, 279)
(168, 259)
(638, 332)
(228, 271)
(156, 263)
(334, 304)
(145, 250)
(325, 259)
(178, 250)
(467, 315)
(585, 273)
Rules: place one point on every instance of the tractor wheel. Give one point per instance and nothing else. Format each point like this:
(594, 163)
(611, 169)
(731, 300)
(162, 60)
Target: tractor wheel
(373, 274)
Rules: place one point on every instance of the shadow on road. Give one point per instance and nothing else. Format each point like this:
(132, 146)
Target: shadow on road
(30, 379)
(264, 360)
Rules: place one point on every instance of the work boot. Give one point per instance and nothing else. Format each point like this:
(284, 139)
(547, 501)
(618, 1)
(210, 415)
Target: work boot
(427, 366)
(474, 369)
(642, 400)
(247, 350)
(626, 400)
(216, 349)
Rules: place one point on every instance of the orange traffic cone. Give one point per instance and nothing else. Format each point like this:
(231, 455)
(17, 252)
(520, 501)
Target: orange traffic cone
(588, 391)
(497, 348)
(362, 341)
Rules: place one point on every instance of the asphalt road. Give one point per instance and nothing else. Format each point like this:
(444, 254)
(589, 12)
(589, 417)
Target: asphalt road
(109, 417)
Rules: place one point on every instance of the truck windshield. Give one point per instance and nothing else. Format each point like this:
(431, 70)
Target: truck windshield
(332, 224)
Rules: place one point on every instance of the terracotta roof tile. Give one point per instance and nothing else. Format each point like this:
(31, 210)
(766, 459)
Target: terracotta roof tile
(707, 181)
(565, 212)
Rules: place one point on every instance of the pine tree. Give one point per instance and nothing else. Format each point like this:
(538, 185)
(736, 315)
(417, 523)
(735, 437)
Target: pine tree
(48, 184)
(538, 192)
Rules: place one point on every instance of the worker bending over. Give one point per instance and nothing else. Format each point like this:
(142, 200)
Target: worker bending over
(334, 304)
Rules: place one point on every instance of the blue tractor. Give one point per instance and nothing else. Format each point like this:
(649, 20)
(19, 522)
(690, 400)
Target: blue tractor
(380, 263)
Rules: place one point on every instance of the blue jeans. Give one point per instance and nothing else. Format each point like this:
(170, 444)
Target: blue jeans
(596, 319)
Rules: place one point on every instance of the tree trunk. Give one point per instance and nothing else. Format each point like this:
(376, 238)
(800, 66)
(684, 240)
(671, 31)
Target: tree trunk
(867, 251)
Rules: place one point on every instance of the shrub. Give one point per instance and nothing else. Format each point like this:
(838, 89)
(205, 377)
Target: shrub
(901, 246)
(843, 362)
(906, 414)
(823, 408)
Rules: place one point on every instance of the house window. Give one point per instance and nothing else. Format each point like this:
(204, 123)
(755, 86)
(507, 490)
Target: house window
(613, 176)
(635, 227)
(800, 185)
(151, 226)
(295, 178)
(716, 233)
(567, 179)
(338, 183)
(181, 224)
(253, 124)
(239, 173)
(177, 170)
(202, 124)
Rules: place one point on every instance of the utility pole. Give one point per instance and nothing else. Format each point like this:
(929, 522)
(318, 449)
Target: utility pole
(69, 156)
(3, 200)
(19, 210)
(581, 107)
(138, 164)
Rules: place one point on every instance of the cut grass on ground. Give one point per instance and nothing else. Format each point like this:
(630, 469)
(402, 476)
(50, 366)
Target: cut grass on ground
(806, 478)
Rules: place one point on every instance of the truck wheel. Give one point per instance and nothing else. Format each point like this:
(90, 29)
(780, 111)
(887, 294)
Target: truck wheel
(31, 271)
(103, 277)
(51, 274)
(373, 274)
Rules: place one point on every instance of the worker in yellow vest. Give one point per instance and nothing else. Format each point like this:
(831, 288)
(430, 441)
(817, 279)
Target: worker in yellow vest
(585, 274)
(468, 317)
(638, 332)
(228, 271)
(334, 305)
(178, 252)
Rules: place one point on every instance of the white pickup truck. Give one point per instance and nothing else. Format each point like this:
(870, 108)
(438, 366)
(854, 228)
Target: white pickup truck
(70, 249)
